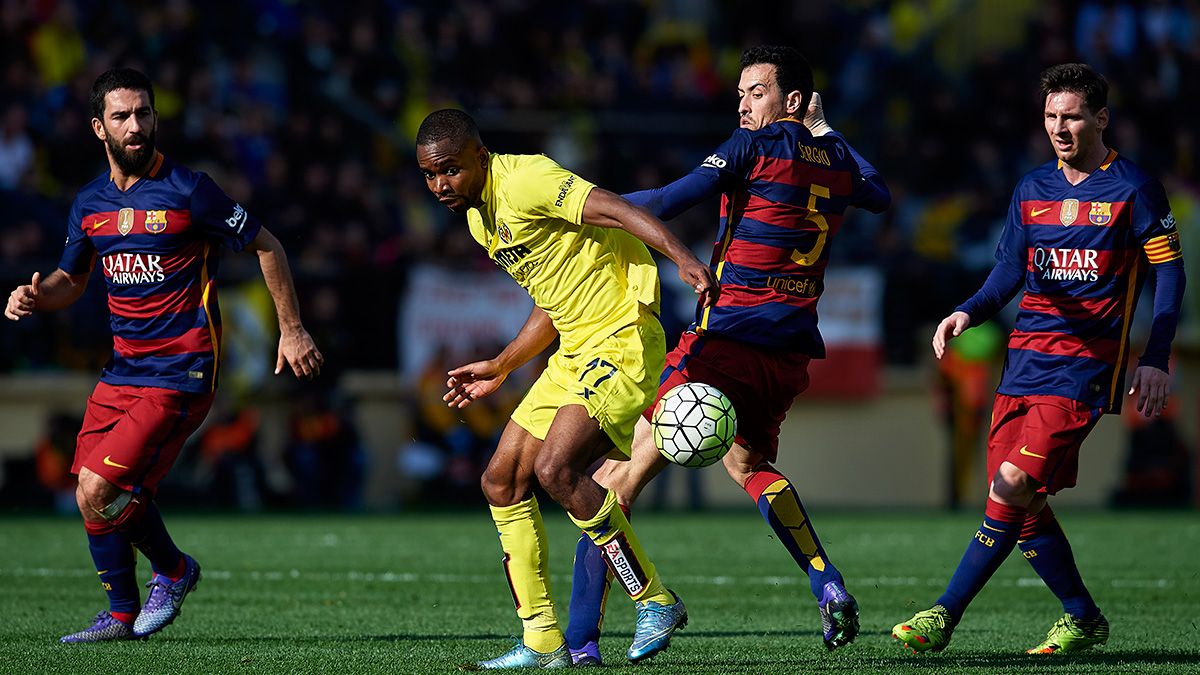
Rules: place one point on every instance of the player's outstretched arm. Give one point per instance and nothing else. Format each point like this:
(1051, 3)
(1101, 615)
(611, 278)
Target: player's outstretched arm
(606, 209)
(950, 328)
(53, 293)
(296, 346)
(476, 380)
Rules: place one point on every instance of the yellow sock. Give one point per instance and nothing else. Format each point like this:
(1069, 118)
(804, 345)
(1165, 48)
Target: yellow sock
(610, 530)
(526, 564)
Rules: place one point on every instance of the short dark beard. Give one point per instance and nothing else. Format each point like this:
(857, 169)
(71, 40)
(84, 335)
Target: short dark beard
(131, 162)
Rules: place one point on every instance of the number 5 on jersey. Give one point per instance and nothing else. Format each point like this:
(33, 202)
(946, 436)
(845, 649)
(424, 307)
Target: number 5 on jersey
(814, 216)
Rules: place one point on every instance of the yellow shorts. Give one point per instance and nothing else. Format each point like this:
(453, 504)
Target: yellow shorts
(614, 380)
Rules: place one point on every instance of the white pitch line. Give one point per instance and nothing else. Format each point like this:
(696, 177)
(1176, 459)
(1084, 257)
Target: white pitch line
(694, 580)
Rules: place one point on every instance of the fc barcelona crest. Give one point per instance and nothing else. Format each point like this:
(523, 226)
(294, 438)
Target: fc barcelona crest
(1069, 211)
(124, 221)
(504, 232)
(1101, 213)
(156, 221)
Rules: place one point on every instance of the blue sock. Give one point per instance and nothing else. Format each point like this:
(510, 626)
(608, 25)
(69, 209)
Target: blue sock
(589, 591)
(116, 564)
(1050, 555)
(149, 534)
(989, 547)
(780, 506)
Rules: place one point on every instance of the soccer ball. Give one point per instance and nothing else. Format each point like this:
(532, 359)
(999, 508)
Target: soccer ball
(694, 424)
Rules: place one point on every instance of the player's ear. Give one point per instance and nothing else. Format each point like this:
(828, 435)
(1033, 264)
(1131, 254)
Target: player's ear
(98, 128)
(794, 102)
(482, 153)
(1102, 118)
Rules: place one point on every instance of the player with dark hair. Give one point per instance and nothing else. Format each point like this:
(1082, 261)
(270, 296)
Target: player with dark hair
(580, 252)
(1082, 232)
(785, 184)
(156, 228)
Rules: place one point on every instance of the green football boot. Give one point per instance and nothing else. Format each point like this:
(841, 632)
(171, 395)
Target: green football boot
(927, 631)
(1070, 634)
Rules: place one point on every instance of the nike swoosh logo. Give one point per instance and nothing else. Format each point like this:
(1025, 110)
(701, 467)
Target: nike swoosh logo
(1037, 212)
(1027, 453)
(96, 225)
(108, 462)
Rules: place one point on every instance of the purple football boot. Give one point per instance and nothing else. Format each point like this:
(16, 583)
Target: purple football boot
(104, 628)
(165, 599)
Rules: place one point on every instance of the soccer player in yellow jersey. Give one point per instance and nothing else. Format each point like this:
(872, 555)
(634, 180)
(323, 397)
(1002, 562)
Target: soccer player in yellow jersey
(580, 252)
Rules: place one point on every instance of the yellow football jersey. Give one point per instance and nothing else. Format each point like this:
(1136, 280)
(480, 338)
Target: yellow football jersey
(591, 281)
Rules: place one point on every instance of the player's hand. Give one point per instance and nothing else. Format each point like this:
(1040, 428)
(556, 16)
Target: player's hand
(701, 278)
(297, 349)
(814, 117)
(1152, 386)
(23, 300)
(950, 328)
(473, 381)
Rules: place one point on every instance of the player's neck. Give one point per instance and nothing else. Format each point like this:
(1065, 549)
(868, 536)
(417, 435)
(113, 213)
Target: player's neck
(123, 180)
(1079, 169)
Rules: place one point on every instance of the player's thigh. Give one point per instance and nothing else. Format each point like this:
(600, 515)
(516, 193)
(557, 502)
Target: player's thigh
(616, 380)
(136, 451)
(508, 477)
(629, 477)
(1039, 436)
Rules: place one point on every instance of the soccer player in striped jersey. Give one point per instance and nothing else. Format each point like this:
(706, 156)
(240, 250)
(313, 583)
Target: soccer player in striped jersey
(786, 179)
(157, 229)
(580, 252)
(1082, 232)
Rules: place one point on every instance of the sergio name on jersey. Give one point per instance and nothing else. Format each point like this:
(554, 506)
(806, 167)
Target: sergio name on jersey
(157, 243)
(591, 281)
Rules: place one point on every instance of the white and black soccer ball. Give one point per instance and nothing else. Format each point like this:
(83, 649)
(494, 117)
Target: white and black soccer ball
(694, 424)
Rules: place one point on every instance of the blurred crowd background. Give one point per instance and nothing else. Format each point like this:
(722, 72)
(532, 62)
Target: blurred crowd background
(304, 112)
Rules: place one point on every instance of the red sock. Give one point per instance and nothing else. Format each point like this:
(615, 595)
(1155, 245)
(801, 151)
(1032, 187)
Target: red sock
(177, 573)
(124, 617)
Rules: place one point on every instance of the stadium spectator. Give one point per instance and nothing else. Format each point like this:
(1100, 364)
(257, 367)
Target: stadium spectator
(1082, 232)
(156, 227)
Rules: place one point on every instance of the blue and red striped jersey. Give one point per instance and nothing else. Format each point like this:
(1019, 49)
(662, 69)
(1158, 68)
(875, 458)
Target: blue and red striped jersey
(157, 243)
(785, 195)
(1083, 252)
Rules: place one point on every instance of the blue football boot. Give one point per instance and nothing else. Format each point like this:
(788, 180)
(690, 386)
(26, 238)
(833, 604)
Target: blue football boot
(165, 599)
(655, 625)
(587, 655)
(103, 628)
(521, 656)
(839, 616)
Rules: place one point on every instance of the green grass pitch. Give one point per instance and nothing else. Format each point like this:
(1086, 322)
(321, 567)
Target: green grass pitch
(416, 593)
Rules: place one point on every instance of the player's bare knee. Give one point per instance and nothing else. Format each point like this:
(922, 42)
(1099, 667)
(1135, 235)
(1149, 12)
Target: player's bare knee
(554, 473)
(740, 463)
(500, 490)
(95, 493)
(1012, 485)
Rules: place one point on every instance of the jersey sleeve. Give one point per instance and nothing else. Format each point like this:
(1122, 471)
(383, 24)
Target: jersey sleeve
(1154, 224)
(732, 161)
(542, 188)
(221, 218)
(78, 250)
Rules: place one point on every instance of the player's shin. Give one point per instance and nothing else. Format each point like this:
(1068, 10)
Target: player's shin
(992, 543)
(1045, 546)
(116, 563)
(610, 530)
(526, 565)
(589, 594)
(780, 506)
(143, 524)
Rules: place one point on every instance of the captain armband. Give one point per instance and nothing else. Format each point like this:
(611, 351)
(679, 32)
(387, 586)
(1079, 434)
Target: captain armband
(1164, 249)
